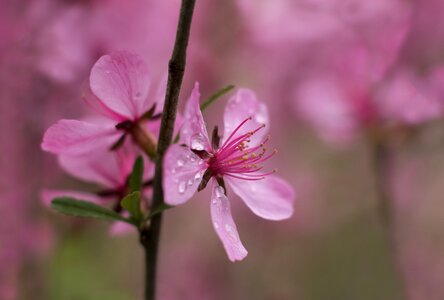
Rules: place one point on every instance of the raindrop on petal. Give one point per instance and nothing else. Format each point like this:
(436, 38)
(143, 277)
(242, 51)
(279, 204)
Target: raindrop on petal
(182, 187)
(198, 142)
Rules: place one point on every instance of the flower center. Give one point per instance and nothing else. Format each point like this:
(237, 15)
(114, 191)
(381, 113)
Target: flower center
(236, 158)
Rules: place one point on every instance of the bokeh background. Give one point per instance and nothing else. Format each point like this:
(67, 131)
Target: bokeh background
(333, 73)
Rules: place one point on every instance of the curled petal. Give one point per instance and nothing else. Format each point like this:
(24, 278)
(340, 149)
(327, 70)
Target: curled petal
(73, 137)
(183, 171)
(242, 105)
(193, 132)
(121, 81)
(49, 195)
(270, 198)
(224, 225)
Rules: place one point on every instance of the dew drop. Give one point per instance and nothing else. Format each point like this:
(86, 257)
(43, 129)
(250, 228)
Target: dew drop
(182, 187)
(198, 142)
(229, 229)
(180, 163)
(197, 176)
(219, 191)
(216, 225)
(190, 181)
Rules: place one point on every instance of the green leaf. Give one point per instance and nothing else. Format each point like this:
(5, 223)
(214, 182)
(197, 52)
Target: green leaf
(216, 96)
(136, 177)
(158, 209)
(78, 208)
(131, 203)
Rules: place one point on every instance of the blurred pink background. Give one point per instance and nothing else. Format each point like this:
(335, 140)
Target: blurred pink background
(334, 74)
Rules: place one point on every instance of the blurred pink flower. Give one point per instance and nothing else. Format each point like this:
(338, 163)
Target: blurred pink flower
(108, 169)
(120, 86)
(410, 99)
(237, 159)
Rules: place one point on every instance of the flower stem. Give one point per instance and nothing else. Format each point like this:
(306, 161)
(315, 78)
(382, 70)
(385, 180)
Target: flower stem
(382, 159)
(149, 235)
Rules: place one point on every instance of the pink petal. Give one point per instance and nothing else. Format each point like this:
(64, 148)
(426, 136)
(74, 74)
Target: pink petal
(121, 228)
(160, 94)
(242, 105)
(49, 195)
(100, 167)
(270, 198)
(193, 132)
(97, 105)
(73, 137)
(224, 225)
(121, 81)
(183, 171)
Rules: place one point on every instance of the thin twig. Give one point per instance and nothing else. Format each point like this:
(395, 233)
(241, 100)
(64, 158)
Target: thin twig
(382, 160)
(149, 236)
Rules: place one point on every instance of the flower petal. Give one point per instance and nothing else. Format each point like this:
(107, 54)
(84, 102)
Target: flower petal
(224, 225)
(73, 137)
(183, 171)
(242, 105)
(193, 132)
(270, 198)
(121, 228)
(102, 168)
(48, 195)
(121, 81)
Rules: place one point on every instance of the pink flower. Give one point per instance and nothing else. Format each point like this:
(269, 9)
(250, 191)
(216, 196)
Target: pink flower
(236, 160)
(120, 93)
(110, 170)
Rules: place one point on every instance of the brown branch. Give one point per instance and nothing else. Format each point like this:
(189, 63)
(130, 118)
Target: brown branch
(149, 236)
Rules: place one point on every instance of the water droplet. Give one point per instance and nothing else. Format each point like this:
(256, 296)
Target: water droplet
(182, 187)
(219, 191)
(190, 181)
(198, 142)
(229, 229)
(180, 163)
(197, 176)
(192, 158)
(216, 225)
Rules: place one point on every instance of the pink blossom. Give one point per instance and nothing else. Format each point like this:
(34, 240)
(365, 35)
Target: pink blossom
(409, 99)
(236, 160)
(120, 93)
(110, 170)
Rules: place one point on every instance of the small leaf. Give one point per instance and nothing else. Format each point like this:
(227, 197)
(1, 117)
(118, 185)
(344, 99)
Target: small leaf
(136, 177)
(131, 203)
(216, 96)
(78, 208)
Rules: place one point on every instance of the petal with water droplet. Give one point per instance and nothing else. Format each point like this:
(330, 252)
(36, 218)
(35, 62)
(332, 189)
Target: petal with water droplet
(182, 174)
(224, 225)
(193, 132)
(270, 198)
